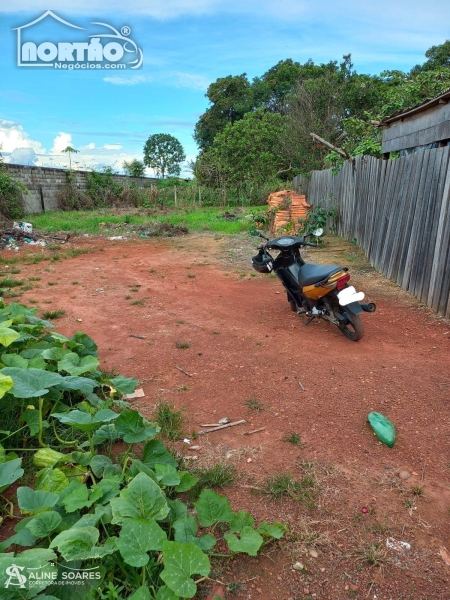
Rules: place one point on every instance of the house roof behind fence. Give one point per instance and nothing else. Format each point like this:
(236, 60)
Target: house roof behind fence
(442, 98)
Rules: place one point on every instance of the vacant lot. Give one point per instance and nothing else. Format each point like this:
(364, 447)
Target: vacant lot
(194, 302)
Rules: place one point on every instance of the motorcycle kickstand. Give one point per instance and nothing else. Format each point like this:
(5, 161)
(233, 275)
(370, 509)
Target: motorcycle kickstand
(309, 321)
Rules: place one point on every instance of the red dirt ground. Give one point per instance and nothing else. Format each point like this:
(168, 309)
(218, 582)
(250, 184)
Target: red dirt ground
(245, 343)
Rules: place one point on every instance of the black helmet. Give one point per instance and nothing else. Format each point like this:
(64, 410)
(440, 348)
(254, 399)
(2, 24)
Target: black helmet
(262, 262)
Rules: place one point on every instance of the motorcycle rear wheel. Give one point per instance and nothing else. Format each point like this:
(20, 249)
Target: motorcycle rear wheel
(352, 326)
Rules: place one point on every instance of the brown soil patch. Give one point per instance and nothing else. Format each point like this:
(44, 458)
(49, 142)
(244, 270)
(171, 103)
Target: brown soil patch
(245, 343)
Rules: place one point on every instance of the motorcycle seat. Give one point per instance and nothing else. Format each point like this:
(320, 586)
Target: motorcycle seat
(310, 274)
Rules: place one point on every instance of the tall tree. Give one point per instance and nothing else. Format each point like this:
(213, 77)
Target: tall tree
(164, 153)
(248, 150)
(230, 97)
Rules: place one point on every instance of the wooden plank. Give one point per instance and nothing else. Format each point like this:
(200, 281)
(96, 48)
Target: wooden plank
(438, 264)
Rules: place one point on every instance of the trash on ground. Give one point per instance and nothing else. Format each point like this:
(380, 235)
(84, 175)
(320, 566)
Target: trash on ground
(22, 233)
(222, 427)
(187, 441)
(397, 545)
(383, 428)
(138, 393)
(113, 238)
(224, 420)
(26, 227)
(195, 448)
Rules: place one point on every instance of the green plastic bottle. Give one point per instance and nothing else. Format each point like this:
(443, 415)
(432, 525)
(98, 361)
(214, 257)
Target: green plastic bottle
(384, 429)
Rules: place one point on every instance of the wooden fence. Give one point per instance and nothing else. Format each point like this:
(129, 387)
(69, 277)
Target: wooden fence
(399, 212)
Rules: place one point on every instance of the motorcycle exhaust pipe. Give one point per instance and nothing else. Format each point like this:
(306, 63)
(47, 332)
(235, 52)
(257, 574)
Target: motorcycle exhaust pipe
(369, 307)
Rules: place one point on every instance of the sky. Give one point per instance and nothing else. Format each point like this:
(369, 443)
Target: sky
(178, 47)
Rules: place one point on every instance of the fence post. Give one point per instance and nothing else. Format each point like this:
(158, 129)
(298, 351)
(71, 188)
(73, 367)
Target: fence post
(175, 193)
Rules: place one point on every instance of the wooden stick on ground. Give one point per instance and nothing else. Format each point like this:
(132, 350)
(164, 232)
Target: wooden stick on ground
(222, 427)
(183, 371)
(254, 431)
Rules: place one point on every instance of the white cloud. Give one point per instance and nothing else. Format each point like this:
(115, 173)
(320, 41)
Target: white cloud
(112, 146)
(23, 156)
(131, 80)
(61, 141)
(13, 137)
(190, 81)
(90, 146)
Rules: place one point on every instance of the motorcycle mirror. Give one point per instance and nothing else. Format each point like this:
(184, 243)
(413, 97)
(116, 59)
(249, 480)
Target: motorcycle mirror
(318, 232)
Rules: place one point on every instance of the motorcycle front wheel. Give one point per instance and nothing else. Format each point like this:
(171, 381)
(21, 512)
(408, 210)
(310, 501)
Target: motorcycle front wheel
(351, 325)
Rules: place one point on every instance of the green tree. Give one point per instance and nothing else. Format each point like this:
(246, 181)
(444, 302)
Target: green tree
(163, 153)
(134, 168)
(69, 151)
(438, 58)
(230, 97)
(248, 150)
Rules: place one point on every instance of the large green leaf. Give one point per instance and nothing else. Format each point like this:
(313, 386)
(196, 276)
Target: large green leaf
(212, 508)
(155, 453)
(165, 593)
(14, 360)
(98, 464)
(85, 421)
(74, 365)
(6, 383)
(31, 383)
(54, 353)
(187, 481)
(10, 472)
(181, 561)
(81, 384)
(42, 525)
(23, 537)
(133, 428)
(240, 520)
(85, 345)
(51, 480)
(105, 433)
(141, 499)
(276, 530)
(250, 541)
(137, 537)
(186, 531)
(75, 541)
(125, 385)
(77, 499)
(166, 475)
(7, 335)
(32, 501)
(31, 418)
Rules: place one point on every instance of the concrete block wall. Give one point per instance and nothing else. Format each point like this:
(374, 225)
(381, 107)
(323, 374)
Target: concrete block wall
(43, 184)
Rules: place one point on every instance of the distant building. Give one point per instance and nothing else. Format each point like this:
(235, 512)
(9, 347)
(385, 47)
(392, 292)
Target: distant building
(426, 125)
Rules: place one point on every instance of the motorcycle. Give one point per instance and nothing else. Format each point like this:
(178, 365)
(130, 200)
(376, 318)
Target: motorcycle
(316, 291)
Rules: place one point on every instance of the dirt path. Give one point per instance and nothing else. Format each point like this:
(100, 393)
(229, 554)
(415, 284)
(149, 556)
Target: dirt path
(244, 343)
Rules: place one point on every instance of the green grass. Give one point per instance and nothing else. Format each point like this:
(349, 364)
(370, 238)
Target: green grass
(285, 486)
(196, 219)
(170, 419)
(293, 438)
(53, 314)
(216, 476)
(182, 345)
(255, 405)
(9, 283)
